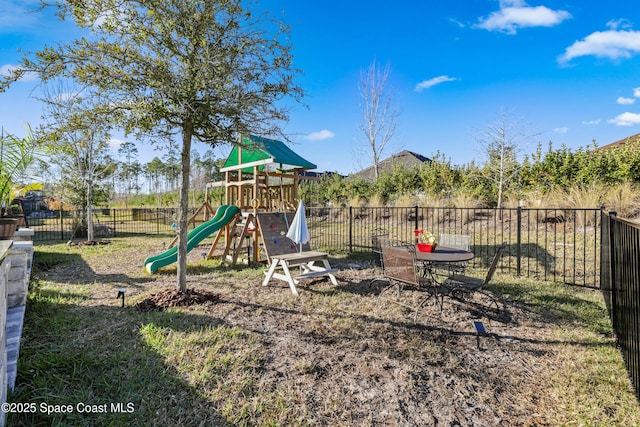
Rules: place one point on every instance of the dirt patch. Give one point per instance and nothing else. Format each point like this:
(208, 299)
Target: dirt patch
(356, 353)
(176, 298)
(92, 243)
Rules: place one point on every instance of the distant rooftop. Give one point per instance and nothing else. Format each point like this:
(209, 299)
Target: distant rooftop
(405, 159)
(621, 142)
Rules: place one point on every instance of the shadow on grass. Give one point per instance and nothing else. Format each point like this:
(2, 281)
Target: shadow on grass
(44, 261)
(210, 266)
(549, 307)
(556, 304)
(72, 356)
(530, 254)
(475, 310)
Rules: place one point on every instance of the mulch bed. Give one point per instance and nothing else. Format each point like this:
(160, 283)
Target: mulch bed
(90, 243)
(176, 298)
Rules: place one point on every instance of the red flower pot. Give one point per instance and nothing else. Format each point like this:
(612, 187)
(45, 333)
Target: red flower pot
(425, 247)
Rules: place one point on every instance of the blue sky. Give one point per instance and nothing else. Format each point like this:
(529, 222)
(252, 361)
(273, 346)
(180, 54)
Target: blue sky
(568, 71)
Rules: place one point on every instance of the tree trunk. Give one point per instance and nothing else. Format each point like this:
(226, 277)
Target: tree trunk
(183, 218)
(376, 164)
(90, 235)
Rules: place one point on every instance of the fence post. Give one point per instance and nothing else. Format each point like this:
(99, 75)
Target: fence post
(415, 211)
(114, 221)
(612, 268)
(519, 241)
(61, 223)
(350, 228)
(157, 220)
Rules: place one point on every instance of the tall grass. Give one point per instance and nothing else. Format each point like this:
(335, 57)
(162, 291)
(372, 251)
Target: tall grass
(577, 197)
(404, 200)
(355, 202)
(624, 199)
(466, 203)
(376, 201)
(427, 200)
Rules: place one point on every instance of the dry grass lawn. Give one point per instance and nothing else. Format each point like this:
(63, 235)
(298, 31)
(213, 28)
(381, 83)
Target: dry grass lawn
(346, 355)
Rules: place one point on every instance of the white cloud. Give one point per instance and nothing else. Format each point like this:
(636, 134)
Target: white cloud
(621, 24)
(433, 82)
(591, 122)
(7, 69)
(457, 23)
(625, 101)
(320, 135)
(561, 130)
(626, 119)
(115, 143)
(512, 3)
(604, 44)
(515, 14)
(636, 92)
(67, 97)
(17, 14)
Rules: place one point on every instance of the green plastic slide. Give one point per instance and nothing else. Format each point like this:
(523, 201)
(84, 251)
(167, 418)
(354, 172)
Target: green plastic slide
(223, 216)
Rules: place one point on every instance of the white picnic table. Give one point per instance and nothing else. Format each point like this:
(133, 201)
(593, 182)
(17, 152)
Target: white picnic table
(305, 261)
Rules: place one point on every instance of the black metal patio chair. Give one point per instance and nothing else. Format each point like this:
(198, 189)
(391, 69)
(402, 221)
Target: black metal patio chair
(402, 269)
(460, 284)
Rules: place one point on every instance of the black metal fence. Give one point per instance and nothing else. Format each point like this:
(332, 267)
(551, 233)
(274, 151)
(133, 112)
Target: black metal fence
(561, 245)
(586, 247)
(620, 285)
(64, 225)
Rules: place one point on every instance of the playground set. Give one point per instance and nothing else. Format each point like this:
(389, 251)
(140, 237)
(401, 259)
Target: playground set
(261, 193)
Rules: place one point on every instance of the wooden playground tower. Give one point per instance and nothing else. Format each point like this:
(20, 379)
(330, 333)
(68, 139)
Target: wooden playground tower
(261, 178)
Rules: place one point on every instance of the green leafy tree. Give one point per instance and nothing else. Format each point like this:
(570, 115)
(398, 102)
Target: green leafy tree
(630, 157)
(332, 189)
(531, 176)
(172, 166)
(356, 187)
(614, 165)
(78, 140)
(398, 181)
(153, 174)
(74, 189)
(472, 182)
(205, 170)
(130, 168)
(177, 68)
(438, 176)
(557, 168)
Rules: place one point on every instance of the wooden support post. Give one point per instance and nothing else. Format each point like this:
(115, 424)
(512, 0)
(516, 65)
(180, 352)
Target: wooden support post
(294, 189)
(219, 234)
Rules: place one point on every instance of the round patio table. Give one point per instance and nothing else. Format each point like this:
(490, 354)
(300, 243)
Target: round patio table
(443, 254)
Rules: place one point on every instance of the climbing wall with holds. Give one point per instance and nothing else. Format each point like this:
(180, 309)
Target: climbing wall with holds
(273, 228)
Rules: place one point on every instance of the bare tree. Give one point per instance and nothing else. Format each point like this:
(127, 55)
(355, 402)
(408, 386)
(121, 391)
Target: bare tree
(379, 112)
(501, 142)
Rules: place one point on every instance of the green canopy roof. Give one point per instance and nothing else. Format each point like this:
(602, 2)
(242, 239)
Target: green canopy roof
(262, 151)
